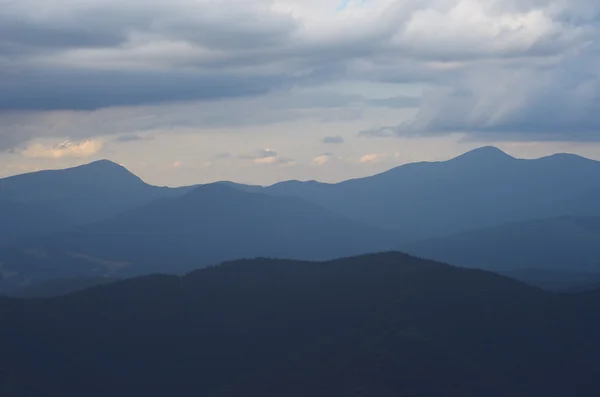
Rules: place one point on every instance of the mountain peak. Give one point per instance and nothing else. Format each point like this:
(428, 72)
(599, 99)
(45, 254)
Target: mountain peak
(104, 164)
(102, 171)
(485, 153)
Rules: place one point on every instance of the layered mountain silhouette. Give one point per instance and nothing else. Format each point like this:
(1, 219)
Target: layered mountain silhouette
(52, 201)
(482, 188)
(208, 225)
(483, 209)
(382, 325)
(559, 244)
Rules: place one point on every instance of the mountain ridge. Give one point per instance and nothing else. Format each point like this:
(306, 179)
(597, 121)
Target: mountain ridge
(386, 324)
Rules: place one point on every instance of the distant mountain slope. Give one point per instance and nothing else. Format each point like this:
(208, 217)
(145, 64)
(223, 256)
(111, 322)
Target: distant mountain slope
(208, 225)
(384, 325)
(482, 188)
(19, 219)
(568, 244)
(51, 201)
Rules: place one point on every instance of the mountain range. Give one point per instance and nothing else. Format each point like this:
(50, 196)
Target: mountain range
(484, 209)
(56, 200)
(383, 325)
(210, 224)
(482, 188)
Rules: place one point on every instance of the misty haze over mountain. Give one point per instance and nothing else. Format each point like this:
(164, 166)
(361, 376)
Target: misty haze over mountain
(483, 209)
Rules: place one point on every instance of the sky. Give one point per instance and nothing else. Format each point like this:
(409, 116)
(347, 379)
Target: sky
(259, 91)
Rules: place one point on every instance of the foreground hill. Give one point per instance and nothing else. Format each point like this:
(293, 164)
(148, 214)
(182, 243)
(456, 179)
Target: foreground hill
(565, 244)
(482, 188)
(211, 224)
(60, 286)
(51, 201)
(378, 325)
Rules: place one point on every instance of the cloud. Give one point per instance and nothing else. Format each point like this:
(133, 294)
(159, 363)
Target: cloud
(98, 53)
(322, 159)
(384, 132)
(372, 158)
(261, 154)
(177, 164)
(333, 139)
(19, 127)
(493, 69)
(132, 138)
(65, 149)
(537, 104)
(266, 160)
(266, 156)
(401, 101)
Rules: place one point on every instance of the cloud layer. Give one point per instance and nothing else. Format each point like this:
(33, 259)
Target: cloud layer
(509, 70)
(66, 149)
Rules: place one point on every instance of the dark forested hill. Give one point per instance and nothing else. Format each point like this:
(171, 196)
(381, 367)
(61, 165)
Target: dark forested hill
(378, 325)
(211, 224)
(481, 188)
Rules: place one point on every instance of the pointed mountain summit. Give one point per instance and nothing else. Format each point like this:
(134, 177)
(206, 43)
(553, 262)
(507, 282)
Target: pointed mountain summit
(105, 166)
(73, 196)
(98, 175)
(484, 154)
(481, 188)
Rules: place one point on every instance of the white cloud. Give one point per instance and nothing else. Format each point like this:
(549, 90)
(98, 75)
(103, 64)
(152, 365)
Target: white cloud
(266, 156)
(65, 149)
(372, 158)
(322, 159)
(266, 160)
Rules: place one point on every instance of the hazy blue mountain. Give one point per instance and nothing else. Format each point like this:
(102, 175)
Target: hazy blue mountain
(205, 226)
(18, 219)
(482, 188)
(583, 204)
(50, 201)
(565, 244)
(385, 325)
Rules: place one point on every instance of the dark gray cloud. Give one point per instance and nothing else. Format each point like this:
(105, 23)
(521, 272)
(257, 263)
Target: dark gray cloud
(401, 101)
(79, 90)
(132, 138)
(99, 53)
(549, 102)
(494, 68)
(333, 139)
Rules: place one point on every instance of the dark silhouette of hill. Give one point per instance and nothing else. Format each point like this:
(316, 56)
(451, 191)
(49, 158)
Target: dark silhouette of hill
(566, 244)
(210, 224)
(58, 287)
(377, 325)
(482, 188)
(51, 201)
(557, 280)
